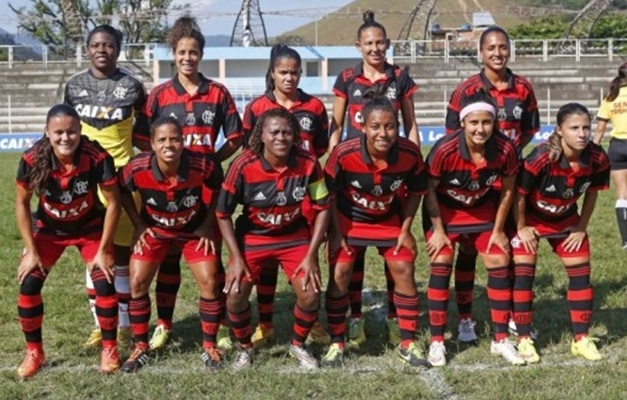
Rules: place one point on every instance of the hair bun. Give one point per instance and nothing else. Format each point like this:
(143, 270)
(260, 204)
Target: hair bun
(368, 16)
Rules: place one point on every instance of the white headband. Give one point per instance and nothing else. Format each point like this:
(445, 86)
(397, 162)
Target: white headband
(481, 106)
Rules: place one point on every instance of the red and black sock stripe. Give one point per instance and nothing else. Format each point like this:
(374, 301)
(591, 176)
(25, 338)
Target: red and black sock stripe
(266, 291)
(523, 298)
(303, 322)
(30, 308)
(437, 297)
(106, 307)
(465, 266)
(211, 311)
(408, 310)
(356, 285)
(240, 324)
(389, 282)
(579, 295)
(139, 314)
(167, 288)
(336, 308)
(500, 299)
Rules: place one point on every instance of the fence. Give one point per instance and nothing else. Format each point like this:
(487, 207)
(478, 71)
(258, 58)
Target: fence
(50, 55)
(544, 50)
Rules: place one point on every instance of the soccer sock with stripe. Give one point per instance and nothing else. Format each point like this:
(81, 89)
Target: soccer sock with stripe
(437, 299)
(168, 284)
(139, 313)
(266, 290)
(303, 321)
(336, 308)
(621, 218)
(523, 298)
(389, 282)
(106, 307)
(407, 307)
(211, 311)
(30, 308)
(240, 324)
(465, 266)
(91, 294)
(123, 289)
(579, 297)
(356, 285)
(500, 300)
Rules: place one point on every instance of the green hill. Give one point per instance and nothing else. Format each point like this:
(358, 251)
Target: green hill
(340, 27)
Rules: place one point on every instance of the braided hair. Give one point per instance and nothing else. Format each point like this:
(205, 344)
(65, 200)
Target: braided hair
(278, 52)
(39, 173)
(555, 140)
(255, 143)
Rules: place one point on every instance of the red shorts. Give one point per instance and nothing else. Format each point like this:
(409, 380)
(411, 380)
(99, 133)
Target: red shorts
(159, 248)
(50, 247)
(386, 231)
(481, 215)
(341, 256)
(309, 212)
(555, 233)
(477, 240)
(289, 258)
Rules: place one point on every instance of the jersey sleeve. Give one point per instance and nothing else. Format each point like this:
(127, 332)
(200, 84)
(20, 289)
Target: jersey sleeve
(332, 170)
(604, 113)
(601, 176)
(406, 84)
(231, 191)
(105, 170)
(126, 177)
(214, 176)
(317, 188)
(452, 122)
(417, 181)
(248, 123)
(321, 137)
(434, 163)
(530, 123)
(530, 169)
(141, 127)
(23, 173)
(511, 163)
(67, 99)
(340, 88)
(232, 128)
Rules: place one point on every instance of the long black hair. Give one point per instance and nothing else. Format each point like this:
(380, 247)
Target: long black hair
(555, 140)
(38, 175)
(619, 81)
(278, 52)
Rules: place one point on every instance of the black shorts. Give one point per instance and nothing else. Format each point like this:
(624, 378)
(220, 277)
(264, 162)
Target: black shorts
(617, 154)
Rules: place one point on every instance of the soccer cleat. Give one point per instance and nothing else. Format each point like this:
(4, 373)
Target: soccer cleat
(243, 358)
(224, 339)
(32, 363)
(586, 348)
(263, 336)
(139, 358)
(125, 336)
(394, 332)
(527, 351)
(334, 357)
(303, 356)
(159, 338)
(511, 326)
(466, 331)
(356, 332)
(437, 354)
(212, 357)
(412, 355)
(94, 341)
(318, 334)
(109, 360)
(506, 349)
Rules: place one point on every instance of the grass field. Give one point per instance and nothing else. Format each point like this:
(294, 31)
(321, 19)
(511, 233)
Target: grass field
(178, 373)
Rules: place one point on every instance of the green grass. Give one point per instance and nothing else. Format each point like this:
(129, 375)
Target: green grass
(374, 372)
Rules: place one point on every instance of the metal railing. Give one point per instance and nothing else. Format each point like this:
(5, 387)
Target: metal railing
(544, 50)
(16, 54)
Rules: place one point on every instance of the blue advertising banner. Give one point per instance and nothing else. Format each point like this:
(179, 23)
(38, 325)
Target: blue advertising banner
(18, 142)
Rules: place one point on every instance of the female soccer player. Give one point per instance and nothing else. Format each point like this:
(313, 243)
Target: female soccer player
(110, 102)
(170, 181)
(282, 91)
(270, 180)
(613, 109)
(551, 180)
(65, 170)
(204, 108)
(351, 89)
(462, 167)
(518, 118)
(364, 176)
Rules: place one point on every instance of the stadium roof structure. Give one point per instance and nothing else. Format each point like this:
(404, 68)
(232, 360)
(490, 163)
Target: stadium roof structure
(263, 53)
(483, 18)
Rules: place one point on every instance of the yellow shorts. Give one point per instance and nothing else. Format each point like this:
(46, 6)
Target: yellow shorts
(124, 233)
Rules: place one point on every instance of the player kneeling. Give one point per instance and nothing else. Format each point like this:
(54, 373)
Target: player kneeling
(170, 180)
(270, 179)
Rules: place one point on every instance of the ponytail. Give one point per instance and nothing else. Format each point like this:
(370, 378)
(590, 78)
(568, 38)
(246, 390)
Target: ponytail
(555, 146)
(619, 81)
(278, 52)
(369, 22)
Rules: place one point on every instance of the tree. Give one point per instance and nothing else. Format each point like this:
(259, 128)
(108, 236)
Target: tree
(64, 23)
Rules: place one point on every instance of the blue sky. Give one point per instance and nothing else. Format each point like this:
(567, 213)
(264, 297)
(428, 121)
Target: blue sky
(218, 16)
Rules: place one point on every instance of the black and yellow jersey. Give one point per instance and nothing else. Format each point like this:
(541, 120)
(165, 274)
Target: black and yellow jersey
(108, 109)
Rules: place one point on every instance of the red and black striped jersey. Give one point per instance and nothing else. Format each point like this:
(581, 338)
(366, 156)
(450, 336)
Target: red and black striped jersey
(518, 113)
(552, 188)
(462, 182)
(366, 191)
(308, 110)
(172, 209)
(70, 204)
(352, 85)
(202, 114)
(272, 198)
